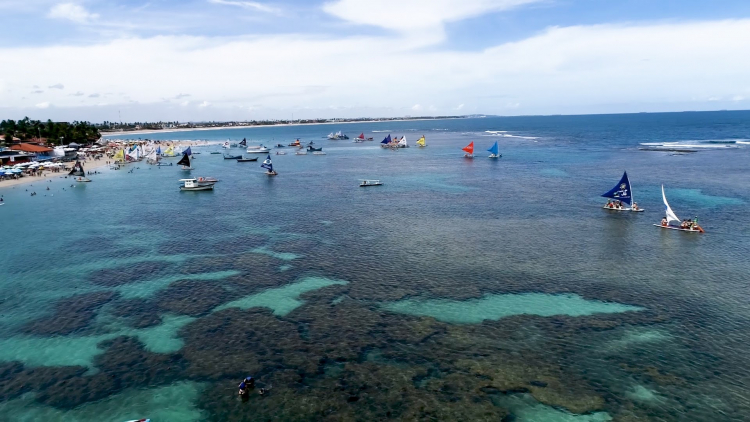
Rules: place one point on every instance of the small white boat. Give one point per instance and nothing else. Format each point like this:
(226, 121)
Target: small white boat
(365, 183)
(257, 150)
(300, 153)
(195, 185)
(693, 226)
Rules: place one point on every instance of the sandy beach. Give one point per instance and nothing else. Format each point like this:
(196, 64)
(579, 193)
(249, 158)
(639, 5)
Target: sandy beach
(146, 132)
(88, 165)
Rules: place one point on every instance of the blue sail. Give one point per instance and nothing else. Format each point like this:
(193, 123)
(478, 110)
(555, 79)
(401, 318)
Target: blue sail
(386, 140)
(187, 151)
(621, 191)
(494, 149)
(158, 150)
(267, 163)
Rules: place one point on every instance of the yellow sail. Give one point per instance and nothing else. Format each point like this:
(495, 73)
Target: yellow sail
(119, 156)
(169, 152)
(421, 142)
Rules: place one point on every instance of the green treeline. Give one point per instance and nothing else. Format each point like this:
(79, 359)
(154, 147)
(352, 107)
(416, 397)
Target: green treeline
(55, 132)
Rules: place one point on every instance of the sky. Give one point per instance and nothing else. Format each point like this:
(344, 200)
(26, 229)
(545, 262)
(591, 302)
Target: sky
(202, 60)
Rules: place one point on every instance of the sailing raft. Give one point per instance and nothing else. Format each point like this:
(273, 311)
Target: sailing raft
(79, 173)
(690, 226)
(621, 197)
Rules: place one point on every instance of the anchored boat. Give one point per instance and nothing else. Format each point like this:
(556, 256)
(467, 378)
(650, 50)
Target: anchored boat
(365, 183)
(621, 197)
(194, 184)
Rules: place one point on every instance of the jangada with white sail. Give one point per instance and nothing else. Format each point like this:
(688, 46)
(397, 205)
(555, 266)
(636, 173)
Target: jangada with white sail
(684, 225)
(621, 197)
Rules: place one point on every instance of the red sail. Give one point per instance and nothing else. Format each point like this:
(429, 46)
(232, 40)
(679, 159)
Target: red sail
(469, 149)
(361, 135)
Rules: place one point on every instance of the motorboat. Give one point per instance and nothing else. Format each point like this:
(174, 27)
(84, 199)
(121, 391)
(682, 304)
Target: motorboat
(257, 150)
(245, 160)
(232, 157)
(366, 183)
(195, 185)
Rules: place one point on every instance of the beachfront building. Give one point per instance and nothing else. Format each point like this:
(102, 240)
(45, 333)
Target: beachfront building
(42, 153)
(11, 157)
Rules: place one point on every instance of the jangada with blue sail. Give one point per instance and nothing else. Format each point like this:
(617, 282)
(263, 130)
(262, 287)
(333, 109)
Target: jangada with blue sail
(268, 166)
(494, 151)
(670, 217)
(621, 197)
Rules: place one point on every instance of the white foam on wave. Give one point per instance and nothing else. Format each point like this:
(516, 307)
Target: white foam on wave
(495, 131)
(688, 144)
(704, 143)
(381, 131)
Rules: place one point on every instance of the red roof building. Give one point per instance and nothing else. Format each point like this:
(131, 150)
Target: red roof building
(37, 149)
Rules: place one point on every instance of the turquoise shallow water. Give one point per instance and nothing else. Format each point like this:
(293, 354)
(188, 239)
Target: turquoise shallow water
(458, 290)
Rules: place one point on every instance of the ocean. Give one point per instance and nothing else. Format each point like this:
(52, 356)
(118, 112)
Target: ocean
(460, 289)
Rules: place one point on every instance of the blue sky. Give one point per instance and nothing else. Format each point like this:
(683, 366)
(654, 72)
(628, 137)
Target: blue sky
(235, 59)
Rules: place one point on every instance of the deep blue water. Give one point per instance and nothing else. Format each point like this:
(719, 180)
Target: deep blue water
(460, 289)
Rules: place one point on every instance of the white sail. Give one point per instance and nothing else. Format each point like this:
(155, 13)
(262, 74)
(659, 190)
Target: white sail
(402, 142)
(671, 216)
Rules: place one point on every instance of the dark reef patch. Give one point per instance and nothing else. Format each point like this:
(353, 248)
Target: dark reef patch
(71, 315)
(118, 276)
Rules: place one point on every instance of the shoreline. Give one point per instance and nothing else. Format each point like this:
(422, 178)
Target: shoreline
(91, 164)
(177, 130)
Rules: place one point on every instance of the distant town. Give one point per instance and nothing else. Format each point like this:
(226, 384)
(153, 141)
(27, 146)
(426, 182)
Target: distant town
(125, 127)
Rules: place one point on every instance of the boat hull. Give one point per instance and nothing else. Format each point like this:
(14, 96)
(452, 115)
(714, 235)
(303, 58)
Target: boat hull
(197, 188)
(680, 229)
(245, 160)
(623, 209)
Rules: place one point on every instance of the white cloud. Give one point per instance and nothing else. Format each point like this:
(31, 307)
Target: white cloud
(72, 12)
(738, 98)
(459, 107)
(252, 5)
(416, 107)
(56, 86)
(42, 105)
(204, 104)
(578, 69)
(411, 15)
